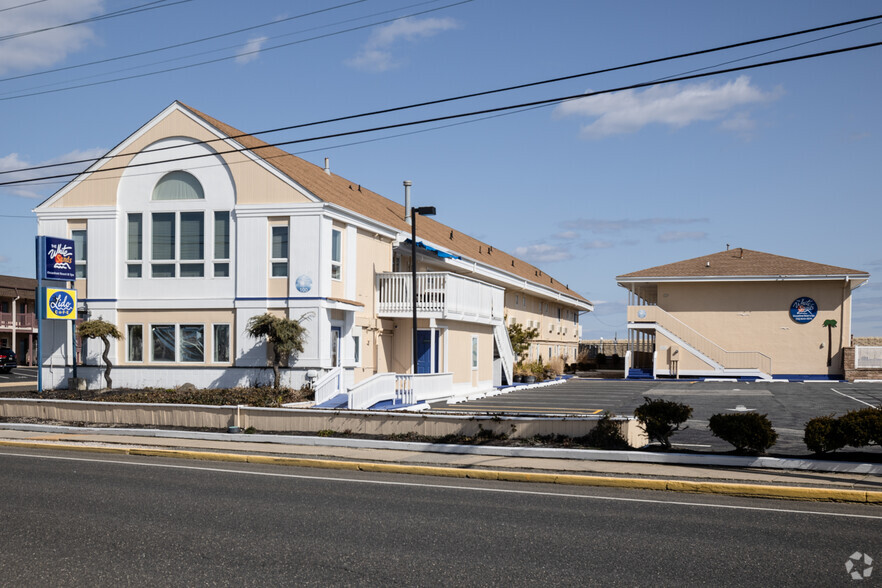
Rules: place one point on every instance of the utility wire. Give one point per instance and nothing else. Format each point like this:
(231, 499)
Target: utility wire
(106, 16)
(489, 92)
(21, 5)
(230, 57)
(177, 45)
(469, 114)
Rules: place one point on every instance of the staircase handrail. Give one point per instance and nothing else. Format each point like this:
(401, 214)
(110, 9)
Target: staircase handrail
(329, 385)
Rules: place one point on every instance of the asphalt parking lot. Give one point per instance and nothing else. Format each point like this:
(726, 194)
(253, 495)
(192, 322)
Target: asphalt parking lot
(789, 405)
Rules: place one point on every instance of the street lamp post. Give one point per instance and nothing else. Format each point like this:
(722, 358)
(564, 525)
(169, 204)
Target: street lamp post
(425, 211)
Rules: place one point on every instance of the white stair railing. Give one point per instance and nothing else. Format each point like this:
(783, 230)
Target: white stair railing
(329, 385)
(506, 352)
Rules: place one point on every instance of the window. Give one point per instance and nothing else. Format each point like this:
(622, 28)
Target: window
(134, 245)
(221, 244)
(163, 342)
(80, 251)
(335, 346)
(336, 255)
(192, 343)
(474, 353)
(178, 185)
(167, 227)
(221, 342)
(135, 343)
(279, 253)
(356, 342)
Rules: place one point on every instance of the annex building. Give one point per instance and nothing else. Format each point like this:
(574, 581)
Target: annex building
(189, 228)
(740, 313)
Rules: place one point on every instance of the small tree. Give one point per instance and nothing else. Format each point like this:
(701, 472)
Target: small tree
(662, 418)
(745, 430)
(284, 335)
(521, 339)
(100, 329)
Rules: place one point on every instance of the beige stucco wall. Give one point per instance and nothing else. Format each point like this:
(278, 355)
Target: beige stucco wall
(755, 316)
(459, 349)
(254, 185)
(180, 317)
(374, 256)
(562, 335)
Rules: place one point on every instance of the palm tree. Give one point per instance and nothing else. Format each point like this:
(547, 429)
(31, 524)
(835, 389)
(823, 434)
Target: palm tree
(100, 329)
(284, 335)
(830, 324)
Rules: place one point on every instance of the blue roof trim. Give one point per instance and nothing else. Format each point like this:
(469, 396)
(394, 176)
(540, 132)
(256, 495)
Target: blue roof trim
(438, 252)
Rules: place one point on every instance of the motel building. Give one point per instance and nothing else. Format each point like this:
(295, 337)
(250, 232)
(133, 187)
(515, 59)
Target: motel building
(189, 228)
(739, 313)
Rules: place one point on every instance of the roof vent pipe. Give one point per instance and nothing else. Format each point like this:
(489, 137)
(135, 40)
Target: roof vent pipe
(407, 185)
(328, 165)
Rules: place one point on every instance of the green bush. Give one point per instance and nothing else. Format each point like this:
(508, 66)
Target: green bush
(606, 434)
(744, 430)
(862, 427)
(662, 418)
(823, 434)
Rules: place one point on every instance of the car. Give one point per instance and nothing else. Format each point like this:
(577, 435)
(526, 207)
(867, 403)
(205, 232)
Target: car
(7, 360)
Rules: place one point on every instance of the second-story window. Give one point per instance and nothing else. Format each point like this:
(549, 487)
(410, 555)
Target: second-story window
(336, 255)
(279, 252)
(80, 251)
(221, 244)
(134, 245)
(172, 230)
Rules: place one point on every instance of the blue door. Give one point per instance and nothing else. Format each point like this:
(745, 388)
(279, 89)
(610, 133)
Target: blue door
(426, 364)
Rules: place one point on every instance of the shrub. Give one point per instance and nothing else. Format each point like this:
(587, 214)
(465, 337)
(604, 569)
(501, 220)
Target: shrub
(606, 434)
(555, 367)
(862, 427)
(744, 430)
(662, 418)
(823, 434)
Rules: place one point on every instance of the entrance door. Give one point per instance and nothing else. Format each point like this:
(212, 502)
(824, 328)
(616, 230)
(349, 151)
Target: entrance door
(427, 362)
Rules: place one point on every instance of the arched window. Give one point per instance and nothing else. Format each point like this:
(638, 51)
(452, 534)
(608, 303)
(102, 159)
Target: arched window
(178, 185)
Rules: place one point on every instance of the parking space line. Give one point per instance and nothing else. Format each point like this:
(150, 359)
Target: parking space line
(853, 398)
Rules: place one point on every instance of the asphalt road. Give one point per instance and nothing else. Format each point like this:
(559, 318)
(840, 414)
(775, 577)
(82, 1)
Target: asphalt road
(789, 405)
(116, 520)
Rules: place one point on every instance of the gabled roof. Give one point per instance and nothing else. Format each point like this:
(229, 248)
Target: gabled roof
(739, 263)
(12, 286)
(352, 196)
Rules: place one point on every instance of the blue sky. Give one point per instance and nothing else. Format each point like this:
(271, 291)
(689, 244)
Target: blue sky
(782, 159)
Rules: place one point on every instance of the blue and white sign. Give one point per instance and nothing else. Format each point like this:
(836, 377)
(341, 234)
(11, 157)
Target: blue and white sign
(303, 284)
(58, 259)
(803, 310)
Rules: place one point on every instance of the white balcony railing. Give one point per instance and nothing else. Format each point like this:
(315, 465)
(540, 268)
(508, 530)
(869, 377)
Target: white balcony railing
(439, 295)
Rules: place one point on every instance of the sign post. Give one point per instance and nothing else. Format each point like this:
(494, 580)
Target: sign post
(55, 261)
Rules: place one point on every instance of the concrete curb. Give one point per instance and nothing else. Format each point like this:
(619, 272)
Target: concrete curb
(729, 489)
(712, 460)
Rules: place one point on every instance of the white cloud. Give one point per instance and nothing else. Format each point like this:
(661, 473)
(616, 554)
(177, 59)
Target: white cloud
(49, 47)
(376, 54)
(251, 50)
(673, 236)
(543, 253)
(598, 244)
(13, 162)
(674, 105)
(568, 235)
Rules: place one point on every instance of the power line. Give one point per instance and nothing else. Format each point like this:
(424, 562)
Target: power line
(109, 15)
(177, 45)
(490, 92)
(21, 5)
(230, 57)
(472, 113)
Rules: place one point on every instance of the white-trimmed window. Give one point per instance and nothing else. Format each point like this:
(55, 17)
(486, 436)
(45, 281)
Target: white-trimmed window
(178, 185)
(474, 352)
(279, 251)
(356, 345)
(177, 343)
(134, 245)
(178, 244)
(220, 343)
(222, 244)
(336, 254)
(81, 243)
(135, 343)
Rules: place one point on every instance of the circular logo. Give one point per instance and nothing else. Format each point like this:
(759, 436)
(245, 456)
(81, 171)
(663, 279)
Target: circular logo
(859, 566)
(303, 283)
(641, 313)
(61, 304)
(803, 310)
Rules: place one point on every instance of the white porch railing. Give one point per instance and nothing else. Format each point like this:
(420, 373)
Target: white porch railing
(691, 337)
(329, 385)
(868, 357)
(439, 295)
(403, 389)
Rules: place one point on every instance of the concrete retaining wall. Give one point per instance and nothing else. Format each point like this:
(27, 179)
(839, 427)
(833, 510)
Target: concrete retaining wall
(288, 420)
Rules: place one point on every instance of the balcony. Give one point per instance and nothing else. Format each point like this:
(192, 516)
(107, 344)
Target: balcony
(440, 295)
(23, 320)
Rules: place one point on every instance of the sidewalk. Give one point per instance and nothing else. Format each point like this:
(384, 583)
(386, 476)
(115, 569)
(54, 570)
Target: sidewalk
(389, 456)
